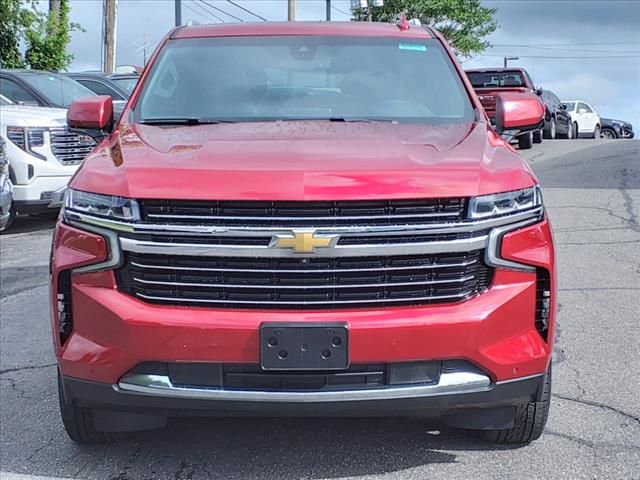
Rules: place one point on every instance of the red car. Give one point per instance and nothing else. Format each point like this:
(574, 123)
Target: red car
(309, 219)
(489, 81)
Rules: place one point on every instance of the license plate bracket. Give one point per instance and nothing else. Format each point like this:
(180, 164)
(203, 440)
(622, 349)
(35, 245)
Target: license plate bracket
(308, 346)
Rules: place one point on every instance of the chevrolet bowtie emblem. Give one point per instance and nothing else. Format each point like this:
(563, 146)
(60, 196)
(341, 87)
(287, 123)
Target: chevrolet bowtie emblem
(303, 241)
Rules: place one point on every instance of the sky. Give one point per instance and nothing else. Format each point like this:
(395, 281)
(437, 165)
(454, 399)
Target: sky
(587, 50)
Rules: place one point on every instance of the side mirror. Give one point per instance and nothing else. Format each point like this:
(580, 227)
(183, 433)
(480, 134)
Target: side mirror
(516, 113)
(91, 116)
(539, 91)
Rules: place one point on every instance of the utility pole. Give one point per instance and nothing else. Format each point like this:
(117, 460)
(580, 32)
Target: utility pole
(291, 10)
(54, 8)
(506, 59)
(110, 11)
(178, 6)
(328, 10)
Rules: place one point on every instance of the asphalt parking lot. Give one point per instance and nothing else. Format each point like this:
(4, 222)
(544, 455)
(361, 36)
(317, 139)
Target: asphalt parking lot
(592, 191)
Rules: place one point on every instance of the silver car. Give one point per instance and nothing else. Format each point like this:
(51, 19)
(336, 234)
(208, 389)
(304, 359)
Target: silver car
(6, 188)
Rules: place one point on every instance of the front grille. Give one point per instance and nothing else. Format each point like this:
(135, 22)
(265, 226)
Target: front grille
(304, 283)
(304, 214)
(68, 147)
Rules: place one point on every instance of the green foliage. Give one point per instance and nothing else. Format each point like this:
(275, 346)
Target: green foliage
(10, 28)
(464, 23)
(45, 35)
(47, 38)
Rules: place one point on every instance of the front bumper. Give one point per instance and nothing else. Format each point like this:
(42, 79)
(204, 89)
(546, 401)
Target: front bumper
(488, 407)
(114, 332)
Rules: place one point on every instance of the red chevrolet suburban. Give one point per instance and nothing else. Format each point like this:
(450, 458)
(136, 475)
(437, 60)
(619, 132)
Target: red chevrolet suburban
(303, 219)
(489, 81)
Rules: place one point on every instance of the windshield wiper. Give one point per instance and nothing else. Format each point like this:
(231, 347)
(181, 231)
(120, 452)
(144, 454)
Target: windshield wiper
(360, 120)
(182, 121)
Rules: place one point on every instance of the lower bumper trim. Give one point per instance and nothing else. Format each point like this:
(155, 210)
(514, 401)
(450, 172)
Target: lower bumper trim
(396, 402)
(450, 384)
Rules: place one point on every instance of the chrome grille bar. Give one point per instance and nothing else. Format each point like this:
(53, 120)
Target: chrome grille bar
(303, 287)
(331, 270)
(221, 218)
(171, 249)
(429, 298)
(68, 147)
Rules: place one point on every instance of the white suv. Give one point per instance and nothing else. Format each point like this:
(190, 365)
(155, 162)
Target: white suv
(43, 155)
(586, 122)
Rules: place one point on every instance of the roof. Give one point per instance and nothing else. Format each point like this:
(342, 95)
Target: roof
(355, 29)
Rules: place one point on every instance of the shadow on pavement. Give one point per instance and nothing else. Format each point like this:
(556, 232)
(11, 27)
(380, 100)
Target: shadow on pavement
(28, 224)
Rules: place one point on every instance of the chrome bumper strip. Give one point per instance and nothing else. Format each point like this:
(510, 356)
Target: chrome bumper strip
(453, 383)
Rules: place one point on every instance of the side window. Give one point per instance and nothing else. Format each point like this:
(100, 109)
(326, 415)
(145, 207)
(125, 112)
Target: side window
(100, 88)
(587, 107)
(17, 93)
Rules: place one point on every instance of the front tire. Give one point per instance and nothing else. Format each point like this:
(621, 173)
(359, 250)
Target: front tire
(78, 422)
(575, 131)
(551, 132)
(10, 220)
(537, 136)
(530, 420)
(608, 134)
(525, 141)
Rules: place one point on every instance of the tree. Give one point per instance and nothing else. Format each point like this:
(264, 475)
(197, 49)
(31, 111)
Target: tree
(47, 36)
(10, 30)
(464, 23)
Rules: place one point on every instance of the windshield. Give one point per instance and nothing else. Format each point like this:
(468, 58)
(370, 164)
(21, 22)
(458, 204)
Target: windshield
(570, 106)
(496, 79)
(61, 91)
(126, 84)
(304, 77)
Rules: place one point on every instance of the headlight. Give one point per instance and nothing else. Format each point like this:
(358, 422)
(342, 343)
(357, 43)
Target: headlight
(506, 203)
(26, 138)
(106, 206)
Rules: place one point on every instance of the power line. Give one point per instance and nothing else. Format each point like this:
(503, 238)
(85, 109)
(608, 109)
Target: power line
(247, 10)
(568, 49)
(340, 11)
(565, 57)
(203, 15)
(221, 11)
(207, 12)
(560, 44)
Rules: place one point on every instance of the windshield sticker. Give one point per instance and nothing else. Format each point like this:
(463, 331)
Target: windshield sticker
(415, 47)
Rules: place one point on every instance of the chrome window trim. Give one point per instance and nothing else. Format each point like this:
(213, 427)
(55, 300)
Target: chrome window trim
(453, 383)
(266, 231)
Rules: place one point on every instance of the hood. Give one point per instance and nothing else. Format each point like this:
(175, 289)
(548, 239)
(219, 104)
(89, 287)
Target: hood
(303, 161)
(25, 116)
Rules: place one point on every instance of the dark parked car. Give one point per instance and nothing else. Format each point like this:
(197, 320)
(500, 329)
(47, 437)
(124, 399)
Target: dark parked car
(615, 129)
(40, 89)
(557, 121)
(117, 86)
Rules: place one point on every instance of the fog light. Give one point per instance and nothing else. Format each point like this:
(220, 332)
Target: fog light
(413, 373)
